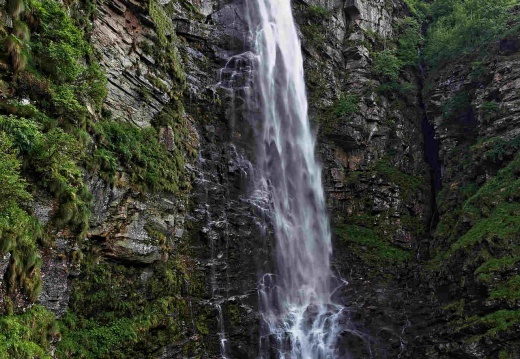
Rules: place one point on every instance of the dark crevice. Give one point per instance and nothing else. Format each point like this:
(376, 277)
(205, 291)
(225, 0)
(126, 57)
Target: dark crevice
(431, 153)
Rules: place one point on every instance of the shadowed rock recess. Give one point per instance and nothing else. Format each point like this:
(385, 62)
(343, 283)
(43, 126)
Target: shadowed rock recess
(131, 225)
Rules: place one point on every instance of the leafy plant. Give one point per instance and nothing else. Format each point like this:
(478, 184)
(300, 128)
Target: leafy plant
(462, 26)
(28, 335)
(455, 104)
(12, 185)
(149, 163)
(386, 63)
(347, 104)
(490, 107)
(410, 39)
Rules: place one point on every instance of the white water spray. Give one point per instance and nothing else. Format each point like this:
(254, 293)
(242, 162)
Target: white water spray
(300, 321)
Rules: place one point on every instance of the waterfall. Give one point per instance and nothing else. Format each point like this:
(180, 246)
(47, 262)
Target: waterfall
(300, 321)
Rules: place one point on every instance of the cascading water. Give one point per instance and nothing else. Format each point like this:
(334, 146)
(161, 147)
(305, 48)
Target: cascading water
(300, 319)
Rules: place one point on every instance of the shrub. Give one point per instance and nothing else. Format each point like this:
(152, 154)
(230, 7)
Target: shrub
(346, 105)
(462, 26)
(387, 64)
(392, 87)
(455, 104)
(59, 43)
(318, 13)
(62, 54)
(490, 107)
(410, 39)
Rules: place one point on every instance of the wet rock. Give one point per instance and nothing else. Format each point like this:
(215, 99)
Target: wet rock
(55, 283)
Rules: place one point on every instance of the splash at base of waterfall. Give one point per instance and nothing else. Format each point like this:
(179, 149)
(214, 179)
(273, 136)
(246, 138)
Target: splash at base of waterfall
(314, 330)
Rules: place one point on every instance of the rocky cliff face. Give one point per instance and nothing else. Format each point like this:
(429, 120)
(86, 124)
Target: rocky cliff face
(473, 105)
(172, 272)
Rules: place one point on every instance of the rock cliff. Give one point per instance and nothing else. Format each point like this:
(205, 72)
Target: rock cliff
(133, 232)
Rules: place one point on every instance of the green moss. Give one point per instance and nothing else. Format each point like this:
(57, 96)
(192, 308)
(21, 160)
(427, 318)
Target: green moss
(84, 338)
(48, 136)
(339, 112)
(62, 50)
(505, 355)
(492, 214)
(497, 265)
(166, 50)
(490, 108)
(150, 165)
(408, 184)
(497, 148)
(457, 307)
(370, 246)
(27, 335)
(118, 311)
(52, 156)
(234, 314)
(509, 290)
(12, 185)
(19, 231)
(497, 322)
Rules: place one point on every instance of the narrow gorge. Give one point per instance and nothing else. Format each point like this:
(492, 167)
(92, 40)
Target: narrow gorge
(275, 179)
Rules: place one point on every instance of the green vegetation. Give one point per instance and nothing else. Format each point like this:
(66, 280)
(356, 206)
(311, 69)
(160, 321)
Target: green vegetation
(12, 185)
(497, 322)
(490, 215)
(492, 211)
(18, 230)
(59, 72)
(482, 230)
(410, 40)
(45, 142)
(313, 27)
(112, 309)
(499, 148)
(370, 245)
(419, 8)
(165, 50)
(346, 105)
(28, 335)
(464, 26)
(317, 13)
(149, 163)
(407, 183)
(16, 40)
(392, 87)
(455, 105)
(387, 64)
(509, 291)
(53, 155)
(490, 108)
